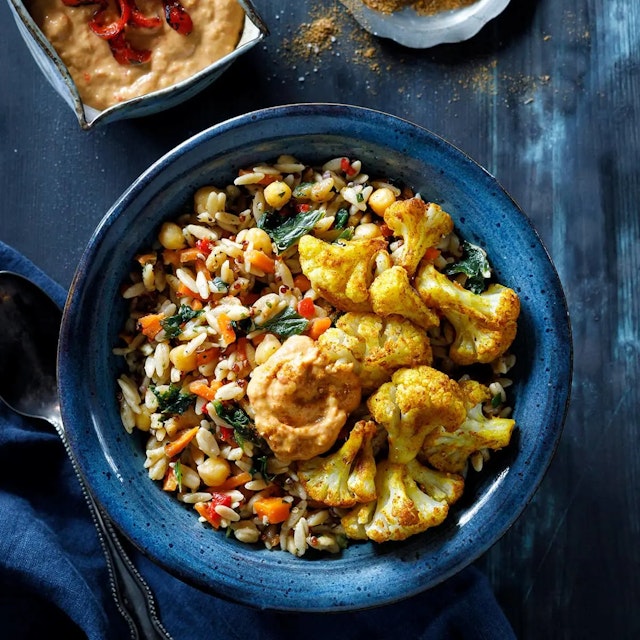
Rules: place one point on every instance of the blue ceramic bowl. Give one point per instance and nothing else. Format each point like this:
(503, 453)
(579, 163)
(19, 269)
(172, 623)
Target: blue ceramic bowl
(60, 79)
(364, 575)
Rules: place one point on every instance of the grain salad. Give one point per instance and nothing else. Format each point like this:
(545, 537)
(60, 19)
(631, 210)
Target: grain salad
(314, 357)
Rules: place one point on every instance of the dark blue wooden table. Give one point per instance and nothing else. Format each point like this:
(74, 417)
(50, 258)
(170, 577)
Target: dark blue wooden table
(547, 98)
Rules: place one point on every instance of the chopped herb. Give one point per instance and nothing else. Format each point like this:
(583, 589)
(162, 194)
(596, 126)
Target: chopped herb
(286, 231)
(345, 234)
(341, 219)
(172, 324)
(286, 323)
(220, 285)
(245, 325)
(260, 466)
(359, 197)
(496, 401)
(236, 417)
(474, 265)
(172, 400)
(177, 472)
(303, 190)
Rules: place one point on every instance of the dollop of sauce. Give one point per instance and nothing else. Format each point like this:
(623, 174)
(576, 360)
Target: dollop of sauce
(302, 397)
(103, 82)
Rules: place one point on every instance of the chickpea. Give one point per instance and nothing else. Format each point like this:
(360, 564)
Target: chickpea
(277, 194)
(214, 471)
(259, 239)
(267, 348)
(380, 199)
(143, 420)
(171, 237)
(201, 198)
(367, 230)
(182, 358)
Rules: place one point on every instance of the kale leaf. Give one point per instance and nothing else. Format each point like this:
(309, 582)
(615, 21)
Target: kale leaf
(172, 324)
(286, 231)
(474, 265)
(172, 400)
(236, 417)
(285, 324)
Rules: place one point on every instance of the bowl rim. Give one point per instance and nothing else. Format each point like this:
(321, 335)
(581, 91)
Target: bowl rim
(236, 587)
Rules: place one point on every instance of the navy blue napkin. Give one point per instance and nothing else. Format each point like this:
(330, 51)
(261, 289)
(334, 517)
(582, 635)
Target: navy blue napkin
(53, 575)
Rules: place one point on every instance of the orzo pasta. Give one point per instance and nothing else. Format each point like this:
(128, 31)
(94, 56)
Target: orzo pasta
(298, 353)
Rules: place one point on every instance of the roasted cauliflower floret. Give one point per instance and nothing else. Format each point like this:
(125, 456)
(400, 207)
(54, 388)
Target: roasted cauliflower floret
(440, 485)
(379, 346)
(346, 477)
(301, 398)
(341, 272)
(420, 225)
(450, 450)
(485, 323)
(402, 508)
(391, 293)
(415, 402)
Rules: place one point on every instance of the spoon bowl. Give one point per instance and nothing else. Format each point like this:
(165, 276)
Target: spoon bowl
(30, 322)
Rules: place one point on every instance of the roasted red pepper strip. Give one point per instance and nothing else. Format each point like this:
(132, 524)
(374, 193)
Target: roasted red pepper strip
(124, 53)
(112, 29)
(177, 17)
(138, 19)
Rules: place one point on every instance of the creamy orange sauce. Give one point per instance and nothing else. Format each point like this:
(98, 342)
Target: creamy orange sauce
(103, 82)
(302, 399)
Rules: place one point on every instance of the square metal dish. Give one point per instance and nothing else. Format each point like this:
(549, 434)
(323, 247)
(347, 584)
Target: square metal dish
(58, 75)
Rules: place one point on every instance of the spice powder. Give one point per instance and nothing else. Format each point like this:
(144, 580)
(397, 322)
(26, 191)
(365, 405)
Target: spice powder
(423, 7)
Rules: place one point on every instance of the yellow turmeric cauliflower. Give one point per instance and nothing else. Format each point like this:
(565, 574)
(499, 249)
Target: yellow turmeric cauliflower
(485, 323)
(404, 506)
(379, 346)
(341, 272)
(420, 225)
(451, 450)
(415, 402)
(346, 477)
(391, 293)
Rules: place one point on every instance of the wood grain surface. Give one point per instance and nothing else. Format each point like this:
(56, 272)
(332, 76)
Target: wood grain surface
(547, 98)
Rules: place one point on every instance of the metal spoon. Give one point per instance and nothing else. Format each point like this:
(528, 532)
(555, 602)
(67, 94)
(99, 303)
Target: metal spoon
(30, 325)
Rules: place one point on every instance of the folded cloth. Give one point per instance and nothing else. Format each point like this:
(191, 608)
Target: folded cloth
(53, 574)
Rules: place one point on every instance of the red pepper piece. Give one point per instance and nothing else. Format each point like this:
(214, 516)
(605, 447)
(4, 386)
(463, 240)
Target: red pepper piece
(138, 19)
(345, 165)
(208, 509)
(112, 29)
(125, 54)
(177, 17)
(205, 246)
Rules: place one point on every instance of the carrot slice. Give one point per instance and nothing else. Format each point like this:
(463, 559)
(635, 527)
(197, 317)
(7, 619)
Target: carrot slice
(261, 261)
(318, 327)
(226, 328)
(178, 445)
(274, 509)
(205, 390)
(206, 356)
(234, 481)
(170, 482)
(189, 254)
(150, 324)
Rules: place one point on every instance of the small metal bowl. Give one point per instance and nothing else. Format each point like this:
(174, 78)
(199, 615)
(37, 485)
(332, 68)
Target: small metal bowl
(58, 75)
(409, 28)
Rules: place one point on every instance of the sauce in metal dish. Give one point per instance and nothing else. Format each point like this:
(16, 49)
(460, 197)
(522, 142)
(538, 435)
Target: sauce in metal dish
(103, 82)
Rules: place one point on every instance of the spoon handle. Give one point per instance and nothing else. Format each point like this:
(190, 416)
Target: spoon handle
(132, 594)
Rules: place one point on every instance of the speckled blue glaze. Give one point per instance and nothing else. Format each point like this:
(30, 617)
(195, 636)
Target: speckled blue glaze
(60, 79)
(364, 575)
